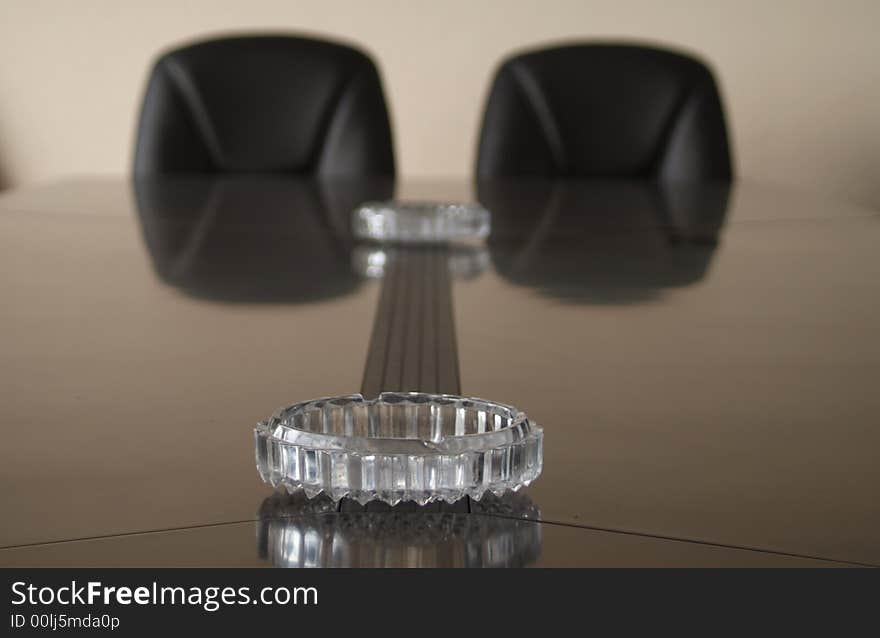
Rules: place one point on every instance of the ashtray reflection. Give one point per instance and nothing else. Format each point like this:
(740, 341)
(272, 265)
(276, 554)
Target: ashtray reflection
(462, 262)
(295, 531)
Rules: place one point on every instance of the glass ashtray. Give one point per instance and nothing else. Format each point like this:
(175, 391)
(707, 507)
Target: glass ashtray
(420, 222)
(401, 446)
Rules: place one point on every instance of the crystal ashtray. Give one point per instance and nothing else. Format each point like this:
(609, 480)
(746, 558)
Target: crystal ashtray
(401, 446)
(420, 222)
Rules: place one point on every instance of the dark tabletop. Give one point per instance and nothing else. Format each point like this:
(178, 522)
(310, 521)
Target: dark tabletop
(703, 359)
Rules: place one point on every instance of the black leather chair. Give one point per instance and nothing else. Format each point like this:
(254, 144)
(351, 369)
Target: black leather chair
(264, 104)
(604, 110)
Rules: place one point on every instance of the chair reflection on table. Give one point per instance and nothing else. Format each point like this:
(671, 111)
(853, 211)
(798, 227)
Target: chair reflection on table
(294, 531)
(254, 239)
(604, 242)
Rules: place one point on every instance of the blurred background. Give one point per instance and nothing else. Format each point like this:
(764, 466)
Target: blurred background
(800, 78)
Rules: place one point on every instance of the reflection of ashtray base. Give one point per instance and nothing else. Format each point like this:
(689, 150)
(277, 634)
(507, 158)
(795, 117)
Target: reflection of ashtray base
(298, 532)
(464, 262)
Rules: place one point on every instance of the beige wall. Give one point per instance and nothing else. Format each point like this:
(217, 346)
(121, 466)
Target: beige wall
(800, 78)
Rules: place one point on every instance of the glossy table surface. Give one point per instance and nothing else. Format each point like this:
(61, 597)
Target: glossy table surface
(703, 359)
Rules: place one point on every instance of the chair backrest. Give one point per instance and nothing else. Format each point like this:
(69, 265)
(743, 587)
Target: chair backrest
(604, 110)
(264, 104)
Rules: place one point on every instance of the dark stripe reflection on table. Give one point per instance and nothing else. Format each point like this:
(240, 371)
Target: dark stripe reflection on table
(413, 345)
